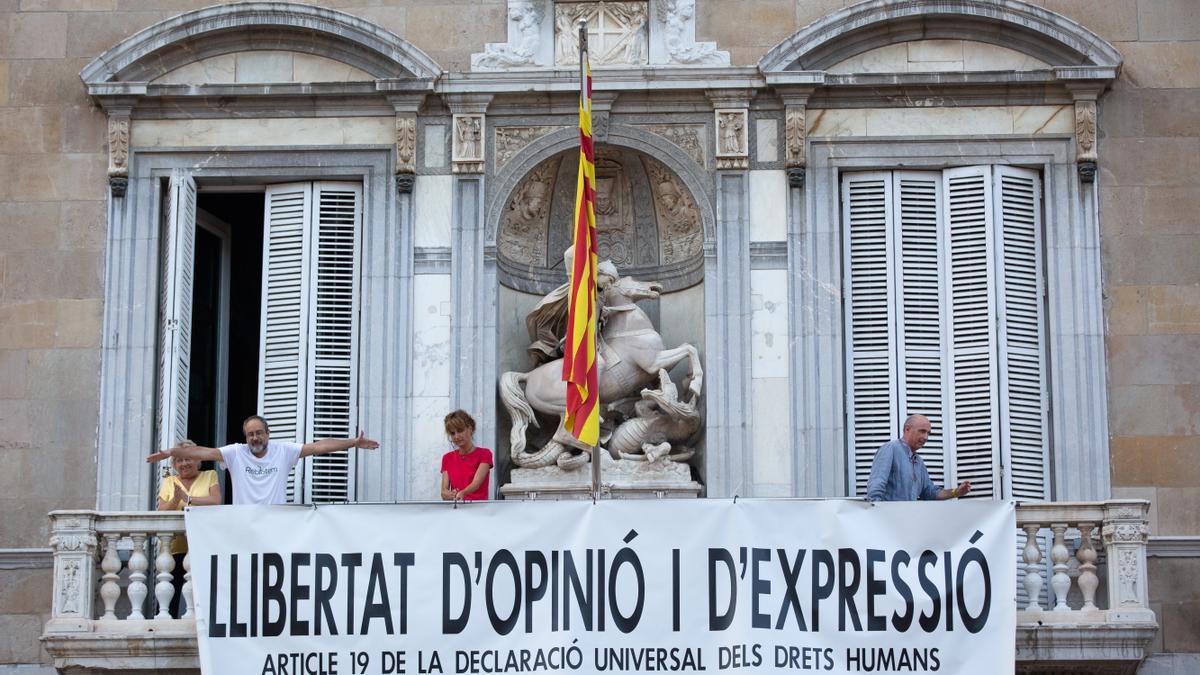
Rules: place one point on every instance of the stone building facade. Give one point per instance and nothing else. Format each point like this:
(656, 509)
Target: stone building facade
(771, 162)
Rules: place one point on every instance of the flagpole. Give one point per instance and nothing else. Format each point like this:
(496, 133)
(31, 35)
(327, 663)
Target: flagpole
(586, 102)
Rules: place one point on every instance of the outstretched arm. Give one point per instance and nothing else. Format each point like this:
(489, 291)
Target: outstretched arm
(195, 452)
(960, 491)
(335, 445)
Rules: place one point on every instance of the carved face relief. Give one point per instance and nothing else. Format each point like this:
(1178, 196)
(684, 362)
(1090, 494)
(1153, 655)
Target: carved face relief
(523, 231)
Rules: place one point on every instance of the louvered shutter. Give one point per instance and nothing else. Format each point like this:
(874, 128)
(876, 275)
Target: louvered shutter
(969, 260)
(282, 368)
(178, 249)
(333, 308)
(1019, 296)
(920, 316)
(869, 318)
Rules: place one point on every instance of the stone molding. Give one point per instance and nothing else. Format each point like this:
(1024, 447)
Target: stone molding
(1161, 546)
(1032, 30)
(26, 558)
(213, 31)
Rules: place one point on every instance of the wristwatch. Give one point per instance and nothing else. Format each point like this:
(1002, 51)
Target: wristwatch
(187, 499)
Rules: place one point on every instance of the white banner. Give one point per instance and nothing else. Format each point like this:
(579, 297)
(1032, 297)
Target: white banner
(752, 586)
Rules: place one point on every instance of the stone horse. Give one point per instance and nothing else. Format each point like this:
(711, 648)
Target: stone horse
(631, 354)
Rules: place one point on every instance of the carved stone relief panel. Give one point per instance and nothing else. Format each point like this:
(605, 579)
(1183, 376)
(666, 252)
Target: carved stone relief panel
(678, 21)
(406, 143)
(732, 139)
(680, 235)
(618, 33)
(522, 236)
(467, 153)
(689, 138)
(647, 221)
(524, 39)
(615, 236)
(510, 140)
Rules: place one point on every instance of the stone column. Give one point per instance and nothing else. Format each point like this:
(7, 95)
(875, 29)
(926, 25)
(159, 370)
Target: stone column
(727, 303)
(472, 271)
(73, 540)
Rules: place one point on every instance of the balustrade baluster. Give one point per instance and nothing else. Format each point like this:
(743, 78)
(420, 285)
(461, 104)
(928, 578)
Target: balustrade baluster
(138, 564)
(1088, 581)
(1061, 581)
(187, 585)
(164, 564)
(1033, 568)
(110, 591)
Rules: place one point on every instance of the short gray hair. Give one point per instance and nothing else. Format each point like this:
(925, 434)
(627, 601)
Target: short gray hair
(908, 421)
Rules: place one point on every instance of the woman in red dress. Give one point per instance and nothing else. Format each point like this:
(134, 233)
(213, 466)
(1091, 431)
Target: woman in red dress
(465, 468)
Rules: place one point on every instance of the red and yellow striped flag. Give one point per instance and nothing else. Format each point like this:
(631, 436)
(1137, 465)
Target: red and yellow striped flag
(579, 361)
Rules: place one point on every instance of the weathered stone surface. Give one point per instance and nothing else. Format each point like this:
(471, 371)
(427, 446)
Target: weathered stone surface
(30, 130)
(64, 374)
(772, 21)
(20, 643)
(1181, 625)
(12, 373)
(1178, 510)
(53, 177)
(87, 129)
(1166, 65)
(46, 82)
(3, 82)
(1153, 359)
(1149, 410)
(263, 67)
(1150, 161)
(90, 34)
(1168, 20)
(1171, 210)
(28, 226)
(1150, 494)
(68, 5)
(26, 591)
(1153, 260)
(1126, 310)
(1113, 20)
(15, 431)
(1166, 461)
(34, 36)
(279, 131)
(1171, 112)
(1174, 309)
(441, 31)
(55, 274)
(82, 225)
(1121, 114)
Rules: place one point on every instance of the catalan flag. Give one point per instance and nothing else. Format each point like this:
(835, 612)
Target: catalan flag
(579, 361)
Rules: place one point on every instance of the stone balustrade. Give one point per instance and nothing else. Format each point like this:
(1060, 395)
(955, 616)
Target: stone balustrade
(1083, 570)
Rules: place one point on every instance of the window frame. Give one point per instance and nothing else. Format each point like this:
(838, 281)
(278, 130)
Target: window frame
(1076, 383)
(130, 351)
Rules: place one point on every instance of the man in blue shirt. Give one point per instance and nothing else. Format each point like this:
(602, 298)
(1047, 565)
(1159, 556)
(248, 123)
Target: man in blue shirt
(898, 473)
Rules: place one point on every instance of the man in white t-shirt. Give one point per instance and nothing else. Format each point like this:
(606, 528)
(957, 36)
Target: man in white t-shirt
(259, 467)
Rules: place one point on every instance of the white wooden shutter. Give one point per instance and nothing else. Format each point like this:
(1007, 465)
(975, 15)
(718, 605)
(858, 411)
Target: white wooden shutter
(282, 344)
(972, 335)
(179, 245)
(869, 318)
(308, 353)
(1022, 388)
(920, 312)
(333, 383)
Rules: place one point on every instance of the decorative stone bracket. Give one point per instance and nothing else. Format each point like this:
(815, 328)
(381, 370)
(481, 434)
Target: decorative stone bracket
(118, 108)
(795, 102)
(1085, 139)
(406, 106)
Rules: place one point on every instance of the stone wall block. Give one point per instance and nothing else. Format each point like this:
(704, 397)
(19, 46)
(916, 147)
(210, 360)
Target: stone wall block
(64, 374)
(1168, 20)
(20, 643)
(1161, 65)
(26, 325)
(448, 33)
(55, 275)
(1171, 210)
(34, 35)
(1172, 112)
(1152, 260)
(68, 5)
(47, 82)
(1163, 461)
(82, 225)
(1174, 309)
(263, 67)
(90, 34)
(1178, 510)
(88, 129)
(1162, 409)
(1153, 359)
(30, 130)
(25, 591)
(15, 430)
(28, 226)
(3, 83)
(1113, 20)
(1126, 310)
(12, 373)
(1150, 161)
(1122, 209)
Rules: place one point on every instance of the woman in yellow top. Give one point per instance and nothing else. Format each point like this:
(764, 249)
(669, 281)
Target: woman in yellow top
(188, 486)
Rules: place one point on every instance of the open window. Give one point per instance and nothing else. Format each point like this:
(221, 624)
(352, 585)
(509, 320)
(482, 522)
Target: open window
(259, 310)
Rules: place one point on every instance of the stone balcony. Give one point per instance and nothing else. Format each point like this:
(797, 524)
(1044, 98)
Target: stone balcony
(1082, 605)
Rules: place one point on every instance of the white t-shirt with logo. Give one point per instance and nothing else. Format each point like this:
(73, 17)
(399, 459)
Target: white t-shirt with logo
(260, 481)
